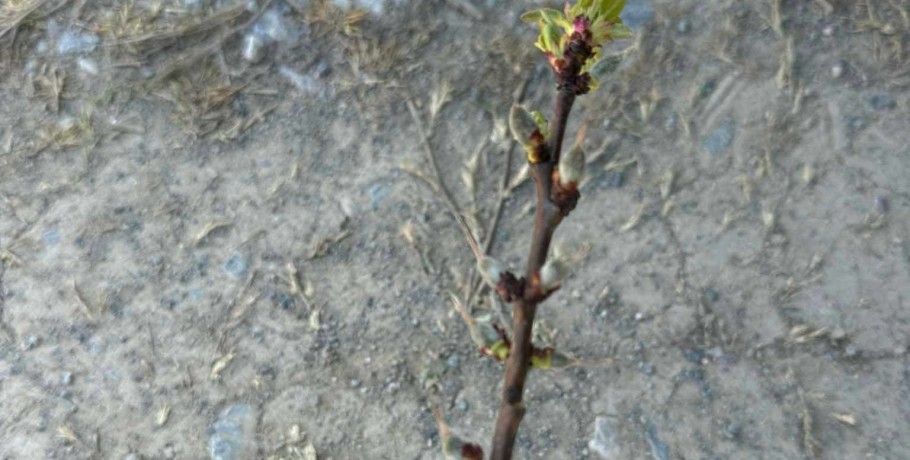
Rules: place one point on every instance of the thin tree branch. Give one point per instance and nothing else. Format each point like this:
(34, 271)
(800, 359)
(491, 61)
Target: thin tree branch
(547, 217)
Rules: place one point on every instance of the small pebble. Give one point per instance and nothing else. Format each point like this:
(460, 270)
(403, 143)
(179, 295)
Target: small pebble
(232, 436)
(882, 102)
(88, 66)
(711, 294)
(881, 204)
(697, 375)
(720, 139)
(355, 383)
(51, 237)
(659, 449)
(605, 440)
(66, 378)
(236, 266)
(452, 361)
(733, 430)
(646, 368)
(838, 334)
(253, 48)
(828, 30)
(683, 26)
(694, 355)
(837, 70)
(30, 342)
(851, 351)
(72, 42)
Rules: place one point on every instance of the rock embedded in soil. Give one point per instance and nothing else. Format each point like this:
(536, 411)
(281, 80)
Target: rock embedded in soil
(882, 102)
(720, 139)
(233, 435)
(236, 266)
(604, 440)
(659, 449)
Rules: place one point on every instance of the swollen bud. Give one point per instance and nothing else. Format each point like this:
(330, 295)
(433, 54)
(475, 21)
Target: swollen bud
(491, 270)
(572, 167)
(552, 274)
(522, 124)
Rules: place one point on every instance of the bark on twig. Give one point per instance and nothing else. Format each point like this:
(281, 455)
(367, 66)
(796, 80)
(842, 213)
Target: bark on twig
(547, 217)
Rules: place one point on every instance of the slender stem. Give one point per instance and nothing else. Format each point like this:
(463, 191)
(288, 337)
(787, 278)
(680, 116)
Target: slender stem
(564, 100)
(546, 218)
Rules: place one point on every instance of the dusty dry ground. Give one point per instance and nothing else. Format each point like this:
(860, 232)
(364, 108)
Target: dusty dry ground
(747, 210)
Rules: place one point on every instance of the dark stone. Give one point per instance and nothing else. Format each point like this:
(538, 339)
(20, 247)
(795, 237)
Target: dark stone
(882, 102)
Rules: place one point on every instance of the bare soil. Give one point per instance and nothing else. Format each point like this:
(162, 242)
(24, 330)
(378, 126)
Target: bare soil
(198, 249)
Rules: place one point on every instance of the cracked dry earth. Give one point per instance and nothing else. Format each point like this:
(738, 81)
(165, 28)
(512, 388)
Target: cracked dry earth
(170, 288)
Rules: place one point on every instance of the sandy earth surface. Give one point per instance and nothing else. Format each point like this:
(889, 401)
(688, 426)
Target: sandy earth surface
(212, 246)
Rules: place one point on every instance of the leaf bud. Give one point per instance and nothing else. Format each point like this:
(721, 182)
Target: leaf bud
(491, 270)
(572, 167)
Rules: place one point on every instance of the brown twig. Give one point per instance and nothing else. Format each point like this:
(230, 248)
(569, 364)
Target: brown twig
(548, 216)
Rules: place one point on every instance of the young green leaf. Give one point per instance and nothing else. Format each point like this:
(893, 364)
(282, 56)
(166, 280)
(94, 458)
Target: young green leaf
(608, 10)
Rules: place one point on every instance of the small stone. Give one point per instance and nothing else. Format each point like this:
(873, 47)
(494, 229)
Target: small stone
(828, 31)
(452, 361)
(236, 266)
(733, 430)
(881, 204)
(72, 42)
(604, 441)
(683, 26)
(283, 300)
(720, 139)
(659, 449)
(646, 368)
(355, 383)
(694, 355)
(882, 102)
(715, 352)
(711, 294)
(696, 375)
(851, 351)
(233, 435)
(88, 66)
(66, 378)
(253, 48)
(30, 342)
(51, 237)
(838, 334)
(462, 405)
(707, 88)
(837, 70)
